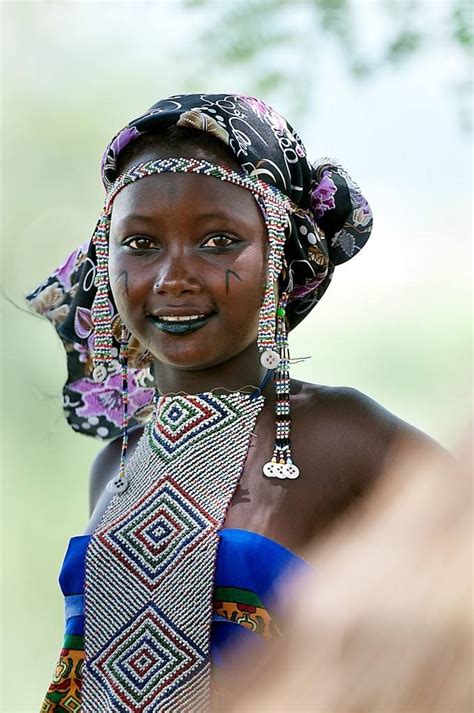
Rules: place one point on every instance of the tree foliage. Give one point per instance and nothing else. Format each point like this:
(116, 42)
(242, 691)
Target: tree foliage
(284, 38)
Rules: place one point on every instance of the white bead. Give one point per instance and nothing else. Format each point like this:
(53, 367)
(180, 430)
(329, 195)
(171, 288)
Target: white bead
(270, 359)
(117, 485)
(99, 373)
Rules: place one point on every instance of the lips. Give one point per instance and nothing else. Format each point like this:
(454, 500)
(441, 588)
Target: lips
(177, 322)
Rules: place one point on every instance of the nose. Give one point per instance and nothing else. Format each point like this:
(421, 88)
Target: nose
(176, 277)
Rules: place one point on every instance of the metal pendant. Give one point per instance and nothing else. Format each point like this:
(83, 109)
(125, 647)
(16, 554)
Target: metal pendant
(99, 374)
(283, 471)
(118, 485)
(270, 359)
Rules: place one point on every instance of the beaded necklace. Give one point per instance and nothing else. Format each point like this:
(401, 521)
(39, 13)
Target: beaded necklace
(150, 563)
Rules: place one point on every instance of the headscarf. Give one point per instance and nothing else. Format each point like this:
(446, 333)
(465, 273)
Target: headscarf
(331, 223)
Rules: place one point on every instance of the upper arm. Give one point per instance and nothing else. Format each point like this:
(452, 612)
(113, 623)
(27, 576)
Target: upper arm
(378, 439)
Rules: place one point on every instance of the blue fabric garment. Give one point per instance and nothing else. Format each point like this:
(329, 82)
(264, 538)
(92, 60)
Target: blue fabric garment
(245, 560)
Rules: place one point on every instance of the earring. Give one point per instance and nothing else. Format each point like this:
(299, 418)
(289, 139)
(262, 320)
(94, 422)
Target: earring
(119, 484)
(276, 220)
(281, 465)
(101, 315)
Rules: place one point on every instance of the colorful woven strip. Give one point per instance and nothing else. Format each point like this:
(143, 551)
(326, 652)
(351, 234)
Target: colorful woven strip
(243, 607)
(64, 692)
(150, 564)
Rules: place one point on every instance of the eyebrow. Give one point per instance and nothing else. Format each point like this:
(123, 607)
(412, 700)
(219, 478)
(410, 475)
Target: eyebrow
(135, 216)
(141, 217)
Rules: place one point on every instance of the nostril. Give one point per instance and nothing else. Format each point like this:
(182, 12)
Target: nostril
(176, 276)
(176, 287)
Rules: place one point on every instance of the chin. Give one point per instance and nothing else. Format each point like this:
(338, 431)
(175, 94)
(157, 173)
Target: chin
(192, 362)
(193, 359)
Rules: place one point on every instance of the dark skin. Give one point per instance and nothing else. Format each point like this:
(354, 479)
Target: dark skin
(200, 246)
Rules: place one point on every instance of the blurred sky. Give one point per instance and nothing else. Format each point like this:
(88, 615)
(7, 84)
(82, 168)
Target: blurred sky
(395, 322)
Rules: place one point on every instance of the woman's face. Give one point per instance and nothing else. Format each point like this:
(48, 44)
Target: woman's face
(188, 266)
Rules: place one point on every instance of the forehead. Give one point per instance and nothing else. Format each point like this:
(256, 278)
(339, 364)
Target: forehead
(185, 194)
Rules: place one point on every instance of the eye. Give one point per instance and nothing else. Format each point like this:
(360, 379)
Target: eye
(139, 242)
(219, 242)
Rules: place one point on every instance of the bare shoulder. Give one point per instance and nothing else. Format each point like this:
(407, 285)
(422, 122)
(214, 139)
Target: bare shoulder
(106, 465)
(354, 412)
(351, 432)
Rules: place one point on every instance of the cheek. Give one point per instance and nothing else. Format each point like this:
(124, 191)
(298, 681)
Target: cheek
(118, 279)
(245, 286)
(255, 271)
(125, 284)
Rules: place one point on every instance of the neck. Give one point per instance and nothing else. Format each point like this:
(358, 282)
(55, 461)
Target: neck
(243, 372)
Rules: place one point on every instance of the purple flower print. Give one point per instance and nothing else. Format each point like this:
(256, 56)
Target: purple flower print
(322, 197)
(119, 143)
(84, 326)
(310, 286)
(360, 202)
(262, 109)
(300, 151)
(105, 399)
(64, 272)
(84, 352)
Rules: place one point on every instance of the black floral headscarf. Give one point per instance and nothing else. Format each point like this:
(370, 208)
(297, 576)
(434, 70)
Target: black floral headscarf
(332, 223)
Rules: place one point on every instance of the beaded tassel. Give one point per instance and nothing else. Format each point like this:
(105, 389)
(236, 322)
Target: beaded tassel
(281, 464)
(101, 313)
(120, 483)
(276, 222)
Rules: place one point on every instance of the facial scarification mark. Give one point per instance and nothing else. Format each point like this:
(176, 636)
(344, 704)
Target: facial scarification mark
(123, 274)
(228, 273)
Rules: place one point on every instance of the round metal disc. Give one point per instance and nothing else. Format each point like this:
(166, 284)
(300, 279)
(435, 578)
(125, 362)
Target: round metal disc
(270, 359)
(117, 485)
(291, 471)
(99, 373)
(273, 470)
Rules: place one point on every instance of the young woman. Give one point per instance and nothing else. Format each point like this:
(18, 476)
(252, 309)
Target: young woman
(217, 237)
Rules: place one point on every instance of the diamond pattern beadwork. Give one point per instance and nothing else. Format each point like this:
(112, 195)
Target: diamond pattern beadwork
(182, 419)
(158, 532)
(150, 563)
(147, 661)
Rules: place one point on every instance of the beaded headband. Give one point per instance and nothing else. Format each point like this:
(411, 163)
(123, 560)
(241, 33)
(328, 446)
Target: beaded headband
(275, 207)
(271, 339)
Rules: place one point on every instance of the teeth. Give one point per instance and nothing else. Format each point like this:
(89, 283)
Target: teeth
(175, 318)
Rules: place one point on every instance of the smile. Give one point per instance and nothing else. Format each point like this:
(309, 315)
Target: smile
(183, 324)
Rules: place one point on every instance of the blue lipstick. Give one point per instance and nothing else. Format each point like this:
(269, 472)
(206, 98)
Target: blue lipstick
(181, 326)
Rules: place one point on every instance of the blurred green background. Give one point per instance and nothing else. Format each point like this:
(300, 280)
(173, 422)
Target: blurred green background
(382, 86)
